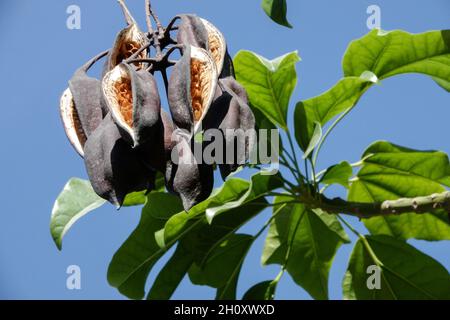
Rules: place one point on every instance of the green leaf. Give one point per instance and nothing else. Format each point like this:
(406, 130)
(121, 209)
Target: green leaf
(406, 273)
(198, 244)
(276, 10)
(341, 97)
(339, 174)
(260, 291)
(131, 264)
(308, 244)
(234, 192)
(171, 275)
(390, 172)
(139, 198)
(269, 83)
(391, 53)
(203, 239)
(315, 139)
(223, 265)
(443, 83)
(75, 201)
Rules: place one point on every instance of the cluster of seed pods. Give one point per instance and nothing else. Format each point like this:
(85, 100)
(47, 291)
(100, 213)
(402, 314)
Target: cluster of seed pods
(118, 126)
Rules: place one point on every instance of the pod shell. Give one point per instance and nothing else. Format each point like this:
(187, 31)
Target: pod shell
(179, 90)
(192, 181)
(114, 168)
(230, 110)
(146, 104)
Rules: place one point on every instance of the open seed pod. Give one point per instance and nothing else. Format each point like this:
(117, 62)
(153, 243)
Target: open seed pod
(114, 168)
(192, 87)
(132, 98)
(192, 31)
(201, 33)
(231, 113)
(71, 122)
(128, 41)
(217, 46)
(192, 181)
(82, 107)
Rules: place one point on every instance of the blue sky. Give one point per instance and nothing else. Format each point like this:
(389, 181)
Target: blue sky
(38, 55)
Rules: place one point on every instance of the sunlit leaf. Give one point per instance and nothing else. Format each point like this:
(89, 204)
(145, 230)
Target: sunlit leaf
(390, 172)
(403, 272)
(269, 83)
(300, 237)
(276, 10)
(131, 264)
(75, 201)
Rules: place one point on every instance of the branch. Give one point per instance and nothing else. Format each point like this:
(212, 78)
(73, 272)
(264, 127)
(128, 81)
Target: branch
(437, 201)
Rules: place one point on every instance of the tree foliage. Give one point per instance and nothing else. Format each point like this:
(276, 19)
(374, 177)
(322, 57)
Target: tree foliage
(400, 193)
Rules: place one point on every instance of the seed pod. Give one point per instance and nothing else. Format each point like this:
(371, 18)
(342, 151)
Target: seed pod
(201, 33)
(192, 31)
(192, 181)
(132, 98)
(114, 168)
(82, 106)
(71, 121)
(156, 151)
(128, 41)
(231, 113)
(217, 47)
(192, 87)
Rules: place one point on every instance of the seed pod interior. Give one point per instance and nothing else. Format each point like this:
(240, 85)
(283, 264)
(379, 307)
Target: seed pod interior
(128, 42)
(133, 99)
(216, 44)
(71, 122)
(202, 85)
(192, 87)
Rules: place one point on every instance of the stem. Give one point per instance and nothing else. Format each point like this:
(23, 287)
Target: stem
(336, 122)
(294, 154)
(128, 17)
(260, 232)
(431, 203)
(349, 226)
(148, 19)
(327, 133)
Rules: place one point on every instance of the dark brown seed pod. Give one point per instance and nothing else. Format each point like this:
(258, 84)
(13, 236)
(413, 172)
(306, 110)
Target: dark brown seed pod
(192, 31)
(132, 98)
(201, 33)
(82, 107)
(156, 151)
(114, 168)
(192, 87)
(128, 41)
(230, 111)
(192, 181)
